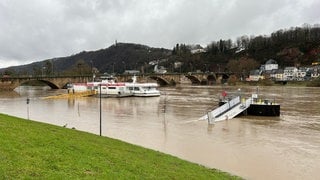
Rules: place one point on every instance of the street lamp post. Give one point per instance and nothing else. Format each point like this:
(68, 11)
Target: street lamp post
(28, 101)
(100, 109)
(239, 94)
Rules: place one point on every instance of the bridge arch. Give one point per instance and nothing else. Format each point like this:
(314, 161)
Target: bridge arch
(50, 84)
(212, 79)
(46, 82)
(160, 80)
(194, 79)
(225, 78)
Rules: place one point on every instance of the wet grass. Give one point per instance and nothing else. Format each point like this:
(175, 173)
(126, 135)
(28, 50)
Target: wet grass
(33, 150)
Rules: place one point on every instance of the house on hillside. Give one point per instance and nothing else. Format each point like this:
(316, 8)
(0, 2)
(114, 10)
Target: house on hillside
(255, 75)
(159, 69)
(278, 75)
(301, 74)
(271, 65)
(289, 73)
(196, 49)
(315, 71)
(274, 74)
(268, 70)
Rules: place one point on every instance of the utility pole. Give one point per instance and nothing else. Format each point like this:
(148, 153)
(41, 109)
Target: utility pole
(100, 110)
(28, 101)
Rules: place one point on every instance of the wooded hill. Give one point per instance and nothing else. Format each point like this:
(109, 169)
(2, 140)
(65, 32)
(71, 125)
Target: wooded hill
(298, 46)
(116, 58)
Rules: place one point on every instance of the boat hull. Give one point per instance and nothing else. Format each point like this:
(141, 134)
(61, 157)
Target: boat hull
(260, 109)
(146, 95)
(264, 110)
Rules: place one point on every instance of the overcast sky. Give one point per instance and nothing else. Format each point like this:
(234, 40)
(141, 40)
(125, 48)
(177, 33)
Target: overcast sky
(34, 30)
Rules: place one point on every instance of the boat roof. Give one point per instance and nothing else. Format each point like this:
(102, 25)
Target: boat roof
(142, 84)
(113, 84)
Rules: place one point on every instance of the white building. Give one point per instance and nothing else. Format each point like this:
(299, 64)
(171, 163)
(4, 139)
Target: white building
(271, 65)
(289, 73)
(160, 69)
(301, 74)
(315, 72)
(255, 75)
(279, 75)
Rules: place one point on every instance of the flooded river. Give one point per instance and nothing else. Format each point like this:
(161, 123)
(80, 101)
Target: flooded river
(285, 147)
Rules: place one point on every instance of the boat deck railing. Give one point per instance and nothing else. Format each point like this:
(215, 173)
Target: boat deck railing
(226, 107)
(264, 101)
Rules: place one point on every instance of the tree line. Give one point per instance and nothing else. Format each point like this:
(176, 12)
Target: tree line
(296, 46)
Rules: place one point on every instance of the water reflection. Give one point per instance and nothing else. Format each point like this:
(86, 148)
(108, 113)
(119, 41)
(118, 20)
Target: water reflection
(285, 147)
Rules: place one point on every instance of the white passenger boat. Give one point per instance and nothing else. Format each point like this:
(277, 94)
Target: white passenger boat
(113, 90)
(107, 87)
(143, 89)
(77, 87)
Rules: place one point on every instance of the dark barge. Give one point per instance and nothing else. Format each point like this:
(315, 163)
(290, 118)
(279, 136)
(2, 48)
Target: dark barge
(259, 107)
(230, 107)
(264, 109)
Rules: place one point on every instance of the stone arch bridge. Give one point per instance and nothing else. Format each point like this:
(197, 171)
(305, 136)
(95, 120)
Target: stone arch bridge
(175, 78)
(59, 82)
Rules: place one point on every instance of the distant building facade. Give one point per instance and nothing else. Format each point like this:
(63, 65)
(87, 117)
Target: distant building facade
(289, 73)
(271, 70)
(271, 65)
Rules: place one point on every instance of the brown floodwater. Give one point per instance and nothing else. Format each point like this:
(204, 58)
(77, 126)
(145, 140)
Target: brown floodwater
(285, 147)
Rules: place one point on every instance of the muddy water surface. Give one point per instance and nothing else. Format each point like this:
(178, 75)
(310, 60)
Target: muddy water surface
(285, 147)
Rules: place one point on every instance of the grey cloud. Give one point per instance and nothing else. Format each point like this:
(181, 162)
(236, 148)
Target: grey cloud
(35, 29)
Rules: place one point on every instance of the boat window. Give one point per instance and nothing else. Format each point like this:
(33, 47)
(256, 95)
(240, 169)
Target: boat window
(111, 87)
(136, 88)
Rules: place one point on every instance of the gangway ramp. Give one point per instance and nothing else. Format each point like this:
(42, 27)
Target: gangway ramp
(228, 110)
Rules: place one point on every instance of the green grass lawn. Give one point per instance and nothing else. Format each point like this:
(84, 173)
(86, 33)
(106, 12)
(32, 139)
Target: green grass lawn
(33, 150)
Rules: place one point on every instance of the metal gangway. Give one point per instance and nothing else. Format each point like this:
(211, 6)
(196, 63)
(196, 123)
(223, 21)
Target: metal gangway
(228, 110)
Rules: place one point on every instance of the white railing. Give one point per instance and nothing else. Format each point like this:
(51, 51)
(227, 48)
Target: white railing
(228, 105)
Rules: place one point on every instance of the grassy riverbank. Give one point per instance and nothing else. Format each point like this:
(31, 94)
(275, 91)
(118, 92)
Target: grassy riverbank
(31, 149)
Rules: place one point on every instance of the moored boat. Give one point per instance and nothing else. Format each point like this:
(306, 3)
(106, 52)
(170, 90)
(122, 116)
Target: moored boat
(258, 106)
(143, 89)
(263, 107)
(230, 107)
(113, 90)
(108, 87)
